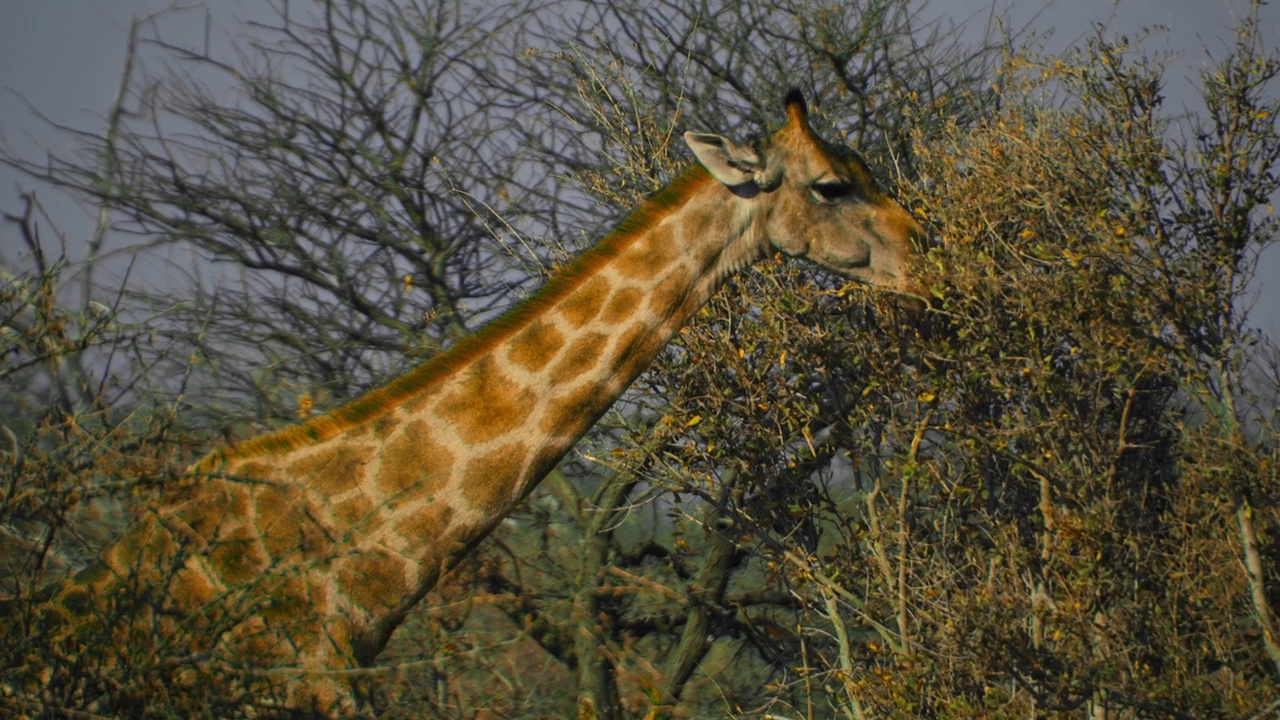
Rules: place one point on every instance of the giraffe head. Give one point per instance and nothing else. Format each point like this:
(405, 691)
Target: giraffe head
(814, 200)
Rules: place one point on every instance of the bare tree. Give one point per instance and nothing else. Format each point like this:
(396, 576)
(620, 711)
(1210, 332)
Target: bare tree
(1043, 501)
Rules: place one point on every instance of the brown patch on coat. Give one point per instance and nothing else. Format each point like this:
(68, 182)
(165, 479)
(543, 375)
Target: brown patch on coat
(488, 484)
(581, 306)
(579, 358)
(633, 351)
(670, 293)
(624, 303)
(251, 470)
(334, 469)
(484, 404)
(424, 525)
(353, 512)
(646, 257)
(237, 557)
(373, 580)
(208, 508)
(413, 459)
(279, 517)
(190, 586)
(534, 346)
(292, 603)
(570, 412)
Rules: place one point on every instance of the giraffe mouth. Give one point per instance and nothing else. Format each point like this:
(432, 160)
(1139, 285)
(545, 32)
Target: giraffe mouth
(903, 294)
(916, 305)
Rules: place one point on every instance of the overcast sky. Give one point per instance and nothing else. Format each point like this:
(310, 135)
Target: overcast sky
(64, 57)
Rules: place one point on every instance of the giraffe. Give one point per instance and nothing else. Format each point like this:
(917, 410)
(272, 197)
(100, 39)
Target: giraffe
(303, 549)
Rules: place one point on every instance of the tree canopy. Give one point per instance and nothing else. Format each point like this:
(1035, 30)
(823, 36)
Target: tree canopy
(1054, 496)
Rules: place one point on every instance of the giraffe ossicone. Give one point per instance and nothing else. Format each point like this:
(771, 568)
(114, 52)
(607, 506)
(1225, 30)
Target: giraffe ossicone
(302, 550)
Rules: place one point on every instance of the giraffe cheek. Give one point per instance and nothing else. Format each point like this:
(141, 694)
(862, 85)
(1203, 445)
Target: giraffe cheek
(789, 245)
(782, 237)
(842, 255)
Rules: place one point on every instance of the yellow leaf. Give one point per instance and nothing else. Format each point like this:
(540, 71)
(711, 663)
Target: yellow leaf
(693, 421)
(305, 406)
(927, 396)
(782, 360)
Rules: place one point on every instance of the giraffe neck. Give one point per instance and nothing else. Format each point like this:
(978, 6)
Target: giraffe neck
(415, 473)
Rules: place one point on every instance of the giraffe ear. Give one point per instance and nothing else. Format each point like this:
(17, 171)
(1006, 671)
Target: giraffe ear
(728, 162)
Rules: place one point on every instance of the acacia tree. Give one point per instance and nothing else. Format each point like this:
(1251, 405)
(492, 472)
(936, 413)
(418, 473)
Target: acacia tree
(807, 506)
(1055, 500)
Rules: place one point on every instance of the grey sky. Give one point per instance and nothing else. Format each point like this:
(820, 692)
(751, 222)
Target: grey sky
(65, 57)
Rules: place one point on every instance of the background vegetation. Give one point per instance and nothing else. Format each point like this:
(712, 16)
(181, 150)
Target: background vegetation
(1055, 496)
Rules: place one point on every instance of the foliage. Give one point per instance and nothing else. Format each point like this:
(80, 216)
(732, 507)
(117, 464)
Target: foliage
(1055, 505)
(1054, 494)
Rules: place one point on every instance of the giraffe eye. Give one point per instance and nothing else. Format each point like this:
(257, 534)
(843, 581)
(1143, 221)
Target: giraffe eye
(832, 192)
